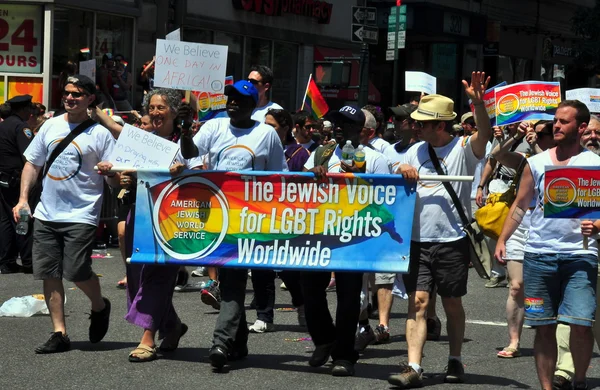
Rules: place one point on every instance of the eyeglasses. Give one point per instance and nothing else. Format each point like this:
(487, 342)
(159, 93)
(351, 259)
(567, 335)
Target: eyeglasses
(422, 124)
(311, 127)
(254, 81)
(75, 95)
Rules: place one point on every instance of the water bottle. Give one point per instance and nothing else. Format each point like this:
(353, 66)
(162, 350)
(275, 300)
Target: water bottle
(102, 250)
(348, 153)
(23, 224)
(359, 157)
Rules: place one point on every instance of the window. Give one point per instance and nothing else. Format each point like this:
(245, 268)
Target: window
(235, 55)
(258, 52)
(285, 69)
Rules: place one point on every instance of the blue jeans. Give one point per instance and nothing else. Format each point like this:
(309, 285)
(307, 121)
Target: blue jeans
(560, 287)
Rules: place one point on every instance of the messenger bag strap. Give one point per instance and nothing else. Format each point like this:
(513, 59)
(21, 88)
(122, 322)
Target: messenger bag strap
(448, 186)
(65, 142)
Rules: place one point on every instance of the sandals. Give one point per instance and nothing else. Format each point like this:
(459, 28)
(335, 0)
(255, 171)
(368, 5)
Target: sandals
(122, 284)
(171, 340)
(509, 353)
(142, 353)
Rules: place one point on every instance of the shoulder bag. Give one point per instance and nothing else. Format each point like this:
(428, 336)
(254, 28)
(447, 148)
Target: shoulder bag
(480, 254)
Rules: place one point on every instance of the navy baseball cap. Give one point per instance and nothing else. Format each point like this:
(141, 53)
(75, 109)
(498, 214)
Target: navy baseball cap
(20, 100)
(244, 88)
(349, 114)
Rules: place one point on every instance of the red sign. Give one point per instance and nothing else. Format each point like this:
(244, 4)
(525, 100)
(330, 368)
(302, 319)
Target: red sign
(20, 38)
(317, 9)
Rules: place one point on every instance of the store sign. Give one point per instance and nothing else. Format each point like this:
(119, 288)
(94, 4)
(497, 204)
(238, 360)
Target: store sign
(316, 9)
(456, 24)
(20, 38)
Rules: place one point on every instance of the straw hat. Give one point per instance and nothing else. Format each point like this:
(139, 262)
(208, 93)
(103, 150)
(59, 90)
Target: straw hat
(466, 116)
(434, 108)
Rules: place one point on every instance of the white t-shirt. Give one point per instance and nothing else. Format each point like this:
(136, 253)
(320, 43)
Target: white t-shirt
(479, 169)
(376, 162)
(436, 218)
(72, 188)
(395, 158)
(231, 148)
(553, 235)
(260, 113)
(308, 145)
(379, 144)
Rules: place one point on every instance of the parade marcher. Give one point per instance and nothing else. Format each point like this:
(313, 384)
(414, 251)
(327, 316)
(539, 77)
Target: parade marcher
(304, 124)
(371, 136)
(261, 77)
(559, 271)
(439, 248)
(337, 340)
(15, 137)
(237, 143)
(564, 374)
(67, 215)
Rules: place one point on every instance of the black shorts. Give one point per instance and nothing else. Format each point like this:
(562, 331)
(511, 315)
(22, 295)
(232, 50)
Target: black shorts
(123, 211)
(444, 265)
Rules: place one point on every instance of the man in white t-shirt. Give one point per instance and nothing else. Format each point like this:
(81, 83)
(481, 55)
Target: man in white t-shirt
(439, 254)
(237, 143)
(337, 340)
(67, 215)
(559, 269)
(261, 77)
(370, 135)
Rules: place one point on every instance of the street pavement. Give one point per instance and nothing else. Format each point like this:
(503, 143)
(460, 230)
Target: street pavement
(275, 360)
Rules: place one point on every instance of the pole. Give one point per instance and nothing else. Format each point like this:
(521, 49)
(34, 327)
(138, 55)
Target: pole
(306, 92)
(395, 74)
(363, 92)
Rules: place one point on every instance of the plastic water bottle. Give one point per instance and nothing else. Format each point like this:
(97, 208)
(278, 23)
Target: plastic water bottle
(348, 153)
(359, 157)
(23, 224)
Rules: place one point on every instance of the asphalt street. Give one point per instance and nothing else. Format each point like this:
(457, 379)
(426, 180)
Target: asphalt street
(277, 360)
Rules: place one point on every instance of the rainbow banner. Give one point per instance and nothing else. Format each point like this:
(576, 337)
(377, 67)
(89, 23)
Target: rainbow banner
(314, 101)
(211, 104)
(489, 100)
(572, 192)
(277, 221)
(528, 100)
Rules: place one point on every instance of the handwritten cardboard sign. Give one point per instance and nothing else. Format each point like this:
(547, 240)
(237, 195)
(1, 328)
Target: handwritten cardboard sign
(137, 148)
(588, 96)
(420, 82)
(190, 66)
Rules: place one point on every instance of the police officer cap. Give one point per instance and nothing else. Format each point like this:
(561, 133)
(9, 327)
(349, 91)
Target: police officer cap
(20, 100)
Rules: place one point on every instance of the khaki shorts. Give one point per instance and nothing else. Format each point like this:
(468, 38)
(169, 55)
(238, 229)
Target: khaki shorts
(384, 278)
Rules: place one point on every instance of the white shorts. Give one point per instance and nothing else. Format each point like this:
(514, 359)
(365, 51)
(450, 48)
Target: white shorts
(515, 246)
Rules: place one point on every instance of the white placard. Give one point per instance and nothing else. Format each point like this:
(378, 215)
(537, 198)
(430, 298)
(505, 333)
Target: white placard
(137, 148)
(392, 44)
(588, 96)
(174, 35)
(88, 68)
(392, 35)
(420, 82)
(190, 66)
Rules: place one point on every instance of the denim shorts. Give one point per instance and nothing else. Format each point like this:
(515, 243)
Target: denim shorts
(560, 287)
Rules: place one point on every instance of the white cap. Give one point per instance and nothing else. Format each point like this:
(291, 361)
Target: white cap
(326, 124)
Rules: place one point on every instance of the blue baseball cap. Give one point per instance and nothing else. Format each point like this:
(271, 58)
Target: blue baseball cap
(349, 114)
(244, 88)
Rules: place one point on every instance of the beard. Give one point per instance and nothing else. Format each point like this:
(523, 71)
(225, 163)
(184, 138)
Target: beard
(593, 147)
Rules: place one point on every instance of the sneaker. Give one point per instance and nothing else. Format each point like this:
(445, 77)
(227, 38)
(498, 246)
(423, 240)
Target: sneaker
(408, 378)
(283, 286)
(211, 295)
(364, 338)
(342, 368)
(198, 286)
(434, 329)
(218, 357)
(261, 327)
(382, 335)
(455, 372)
(496, 281)
(198, 272)
(99, 323)
(580, 386)
(56, 343)
(561, 383)
(331, 286)
(302, 316)
(321, 355)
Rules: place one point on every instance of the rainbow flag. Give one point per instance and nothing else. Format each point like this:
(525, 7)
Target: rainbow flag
(314, 101)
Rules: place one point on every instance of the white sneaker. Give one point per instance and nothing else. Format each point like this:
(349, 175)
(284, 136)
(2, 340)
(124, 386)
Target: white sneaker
(283, 286)
(301, 316)
(261, 327)
(199, 272)
(198, 286)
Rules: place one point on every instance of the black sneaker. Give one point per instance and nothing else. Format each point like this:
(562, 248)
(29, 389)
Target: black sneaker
(455, 372)
(382, 335)
(99, 324)
(321, 355)
(365, 338)
(580, 386)
(218, 357)
(407, 378)
(211, 296)
(561, 383)
(56, 343)
(342, 368)
(434, 329)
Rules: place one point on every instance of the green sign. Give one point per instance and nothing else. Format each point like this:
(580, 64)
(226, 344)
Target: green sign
(401, 27)
(392, 19)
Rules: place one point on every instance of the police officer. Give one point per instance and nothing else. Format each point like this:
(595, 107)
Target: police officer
(15, 136)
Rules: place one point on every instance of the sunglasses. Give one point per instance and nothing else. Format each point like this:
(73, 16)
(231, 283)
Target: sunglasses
(254, 81)
(312, 127)
(75, 95)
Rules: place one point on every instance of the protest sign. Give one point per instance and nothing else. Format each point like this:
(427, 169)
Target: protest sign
(174, 35)
(88, 68)
(137, 148)
(190, 66)
(275, 221)
(420, 82)
(527, 100)
(489, 100)
(572, 192)
(588, 96)
(211, 104)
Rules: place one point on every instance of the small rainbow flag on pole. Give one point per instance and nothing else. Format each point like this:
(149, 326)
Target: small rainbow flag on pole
(313, 100)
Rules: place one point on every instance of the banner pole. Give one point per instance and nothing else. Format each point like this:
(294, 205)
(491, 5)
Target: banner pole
(306, 92)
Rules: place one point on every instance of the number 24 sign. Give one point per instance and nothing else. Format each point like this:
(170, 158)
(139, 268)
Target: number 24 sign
(20, 38)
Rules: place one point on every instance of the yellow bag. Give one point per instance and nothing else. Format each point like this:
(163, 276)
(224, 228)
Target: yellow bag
(492, 215)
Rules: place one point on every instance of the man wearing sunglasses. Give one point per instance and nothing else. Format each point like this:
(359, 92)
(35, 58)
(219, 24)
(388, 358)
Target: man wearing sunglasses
(261, 77)
(304, 125)
(67, 215)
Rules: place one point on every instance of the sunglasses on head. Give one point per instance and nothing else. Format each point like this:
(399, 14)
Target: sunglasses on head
(76, 95)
